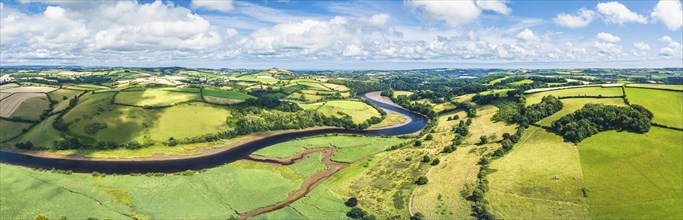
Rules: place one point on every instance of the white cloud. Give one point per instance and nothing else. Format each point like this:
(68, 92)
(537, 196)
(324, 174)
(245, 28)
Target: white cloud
(458, 13)
(666, 39)
(672, 49)
(617, 13)
(527, 35)
(669, 12)
(608, 37)
(641, 46)
(607, 49)
(582, 18)
(494, 5)
(214, 5)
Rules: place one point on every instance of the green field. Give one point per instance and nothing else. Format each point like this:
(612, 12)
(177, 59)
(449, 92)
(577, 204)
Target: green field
(497, 80)
(180, 121)
(226, 94)
(501, 92)
(11, 129)
(634, 176)
(521, 82)
(390, 120)
(584, 91)
(359, 111)
(540, 178)
(216, 193)
(400, 93)
(42, 134)
(349, 148)
(32, 108)
(59, 95)
(657, 86)
(155, 97)
(571, 105)
(667, 106)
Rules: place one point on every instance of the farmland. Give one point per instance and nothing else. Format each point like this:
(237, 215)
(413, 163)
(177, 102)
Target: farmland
(584, 91)
(155, 97)
(9, 105)
(669, 112)
(359, 111)
(11, 129)
(571, 105)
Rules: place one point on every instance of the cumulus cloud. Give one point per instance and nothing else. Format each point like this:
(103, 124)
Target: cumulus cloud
(669, 12)
(672, 48)
(214, 5)
(527, 35)
(607, 49)
(582, 18)
(641, 46)
(608, 37)
(458, 13)
(617, 13)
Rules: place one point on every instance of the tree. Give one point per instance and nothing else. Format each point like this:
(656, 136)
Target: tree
(352, 202)
(422, 180)
(417, 216)
(418, 143)
(426, 159)
(133, 145)
(483, 139)
(436, 162)
(356, 213)
(429, 137)
(472, 112)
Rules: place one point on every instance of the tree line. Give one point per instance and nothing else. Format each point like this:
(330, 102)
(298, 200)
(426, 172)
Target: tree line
(594, 118)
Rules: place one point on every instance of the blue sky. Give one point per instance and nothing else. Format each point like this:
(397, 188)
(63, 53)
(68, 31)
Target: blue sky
(342, 34)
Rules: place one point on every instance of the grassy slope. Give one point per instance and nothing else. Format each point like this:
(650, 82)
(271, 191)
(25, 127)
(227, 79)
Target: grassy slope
(634, 176)
(42, 134)
(58, 95)
(391, 119)
(571, 105)
(311, 165)
(521, 82)
(660, 86)
(32, 108)
(216, 193)
(181, 121)
(587, 91)
(226, 94)
(667, 106)
(349, 148)
(154, 97)
(522, 185)
(359, 111)
(405, 93)
(10, 129)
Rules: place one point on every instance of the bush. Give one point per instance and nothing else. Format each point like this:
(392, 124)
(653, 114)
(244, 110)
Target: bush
(426, 159)
(429, 137)
(422, 180)
(418, 143)
(436, 162)
(417, 216)
(352, 202)
(356, 213)
(483, 139)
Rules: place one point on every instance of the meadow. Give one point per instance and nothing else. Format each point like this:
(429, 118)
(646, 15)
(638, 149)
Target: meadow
(540, 178)
(349, 148)
(657, 86)
(226, 94)
(155, 97)
(521, 82)
(571, 105)
(634, 176)
(42, 134)
(219, 192)
(359, 111)
(11, 129)
(667, 106)
(390, 120)
(31, 109)
(62, 97)
(584, 91)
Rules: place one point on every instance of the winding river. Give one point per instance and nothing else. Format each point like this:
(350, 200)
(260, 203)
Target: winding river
(126, 166)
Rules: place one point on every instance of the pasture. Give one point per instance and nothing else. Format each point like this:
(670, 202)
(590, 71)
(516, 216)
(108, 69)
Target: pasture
(390, 120)
(400, 93)
(571, 105)
(62, 97)
(497, 80)
(540, 178)
(181, 121)
(42, 134)
(349, 148)
(667, 106)
(215, 193)
(11, 104)
(359, 111)
(155, 97)
(634, 176)
(11, 129)
(32, 108)
(521, 82)
(226, 94)
(501, 92)
(657, 86)
(583, 91)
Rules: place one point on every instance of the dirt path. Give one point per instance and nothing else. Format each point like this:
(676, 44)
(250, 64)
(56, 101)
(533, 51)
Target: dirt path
(308, 184)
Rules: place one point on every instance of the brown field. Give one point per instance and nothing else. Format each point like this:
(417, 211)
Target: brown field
(4, 95)
(12, 103)
(29, 89)
(8, 86)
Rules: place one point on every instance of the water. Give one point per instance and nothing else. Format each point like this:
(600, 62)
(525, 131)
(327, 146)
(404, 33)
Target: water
(202, 162)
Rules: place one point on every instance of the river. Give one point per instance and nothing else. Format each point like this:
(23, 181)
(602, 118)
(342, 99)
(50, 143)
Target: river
(241, 151)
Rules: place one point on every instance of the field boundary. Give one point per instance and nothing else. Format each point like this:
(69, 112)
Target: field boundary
(664, 89)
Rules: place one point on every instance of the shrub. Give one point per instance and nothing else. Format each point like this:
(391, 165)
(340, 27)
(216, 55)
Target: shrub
(356, 213)
(352, 202)
(429, 137)
(422, 180)
(426, 159)
(418, 143)
(436, 162)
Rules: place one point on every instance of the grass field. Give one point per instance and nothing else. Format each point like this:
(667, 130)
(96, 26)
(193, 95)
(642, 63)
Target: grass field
(349, 148)
(216, 193)
(391, 119)
(501, 92)
(400, 93)
(10, 129)
(180, 121)
(42, 134)
(496, 80)
(359, 111)
(9, 105)
(154, 97)
(634, 176)
(667, 106)
(657, 86)
(60, 95)
(571, 105)
(32, 108)
(540, 178)
(226, 94)
(521, 82)
(585, 91)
